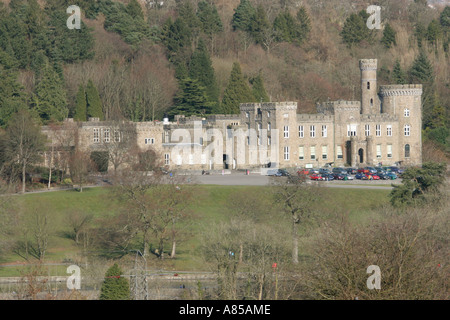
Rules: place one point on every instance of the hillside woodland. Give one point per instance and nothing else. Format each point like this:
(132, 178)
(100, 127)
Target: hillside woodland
(141, 59)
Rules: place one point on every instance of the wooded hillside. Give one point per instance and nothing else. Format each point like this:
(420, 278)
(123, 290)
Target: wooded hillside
(140, 59)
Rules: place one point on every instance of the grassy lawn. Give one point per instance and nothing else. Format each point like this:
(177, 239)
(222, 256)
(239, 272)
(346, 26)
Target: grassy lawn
(210, 206)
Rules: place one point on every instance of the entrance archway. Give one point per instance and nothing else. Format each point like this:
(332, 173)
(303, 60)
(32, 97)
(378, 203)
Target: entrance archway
(361, 155)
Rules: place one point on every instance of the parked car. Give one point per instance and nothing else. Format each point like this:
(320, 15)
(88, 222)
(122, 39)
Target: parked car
(348, 177)
(282, 173)
(339, 171)
(391, 175)
(316, 177)
(361, 176)
(324, 171)
(371, 170)
(362, 170)
(313, 171)
(327, 177)
(374, 177)
(338, 176)
(383, 175)
(352, 171)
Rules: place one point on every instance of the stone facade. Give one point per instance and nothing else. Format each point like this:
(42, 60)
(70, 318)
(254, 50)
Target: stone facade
(383, 127)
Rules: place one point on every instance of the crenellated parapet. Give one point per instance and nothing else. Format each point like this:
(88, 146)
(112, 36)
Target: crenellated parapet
(330, 107)
(401, 90)
(282, 106)
(368, 64)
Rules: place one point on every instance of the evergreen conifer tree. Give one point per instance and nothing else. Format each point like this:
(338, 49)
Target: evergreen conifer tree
(114, 286)
(236, 92)
(201, 69)
(81, 108)
(258, 90)
(243, 15)
(50, 99)
(93, 102)
(389, 35)
(398, 76)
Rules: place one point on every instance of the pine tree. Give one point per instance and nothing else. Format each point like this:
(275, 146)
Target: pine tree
(258, 90)
(438, 113)
(355, 29)
(50, 100)
(81, 108)
(191, 99)
(422, 72)
(209, 18)
(115, 287)
(93, 102)
(434, 32)
(236, 92)
(201, 69)
(260, 26)
(134, 9)
(304, 24)
(389, 35)
(398, 76)
(12, 95)
(243, 15)
(285, 27)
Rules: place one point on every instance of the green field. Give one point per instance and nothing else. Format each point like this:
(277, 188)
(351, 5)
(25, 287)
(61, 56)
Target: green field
(211, 205)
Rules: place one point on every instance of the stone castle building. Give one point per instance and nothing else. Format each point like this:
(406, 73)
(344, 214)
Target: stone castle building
(384, 126)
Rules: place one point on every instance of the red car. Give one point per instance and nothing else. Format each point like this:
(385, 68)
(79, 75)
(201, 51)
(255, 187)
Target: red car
(372, 177)
(363, 170)
(316, 177)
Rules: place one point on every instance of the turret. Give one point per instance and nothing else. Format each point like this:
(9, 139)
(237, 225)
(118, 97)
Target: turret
(369, 98)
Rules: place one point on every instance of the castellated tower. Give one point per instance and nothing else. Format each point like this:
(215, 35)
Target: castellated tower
(369, 98)
(404, 102)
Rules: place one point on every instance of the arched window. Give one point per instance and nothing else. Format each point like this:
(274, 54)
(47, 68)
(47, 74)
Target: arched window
(371, 102)
(407, 150)
(368, 85)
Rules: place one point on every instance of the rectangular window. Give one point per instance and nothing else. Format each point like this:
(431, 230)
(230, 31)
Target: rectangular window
(378, 130)
(116, 135)
(389, 130)
(406, 113)
(167, 159)
(269, 141)
(339, 152)
(313, 153)
(389, 150)
(324, 131)
(407, 130)
(96, 135)
(286, 153)
(312, 131)
(106, 137)
(166, 137)
(324, 152)
(378, 151)
(269, 126)
(301, 153)
(149, 140)
(286, 132)
(367, 130)
(351, 130)
(259, 126)
(301, 132)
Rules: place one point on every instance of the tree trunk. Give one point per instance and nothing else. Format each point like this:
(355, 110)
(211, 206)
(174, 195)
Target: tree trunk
(23, 176)
(174, 246)
(294, 242)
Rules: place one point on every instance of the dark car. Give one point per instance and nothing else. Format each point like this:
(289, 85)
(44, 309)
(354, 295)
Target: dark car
(328, 177)
(338, 176)
(324, 171)
(391, 175)
(282, 173)
(371, 170)
(352, 171)
(383, 175)
(361, 176)
(339, 171)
